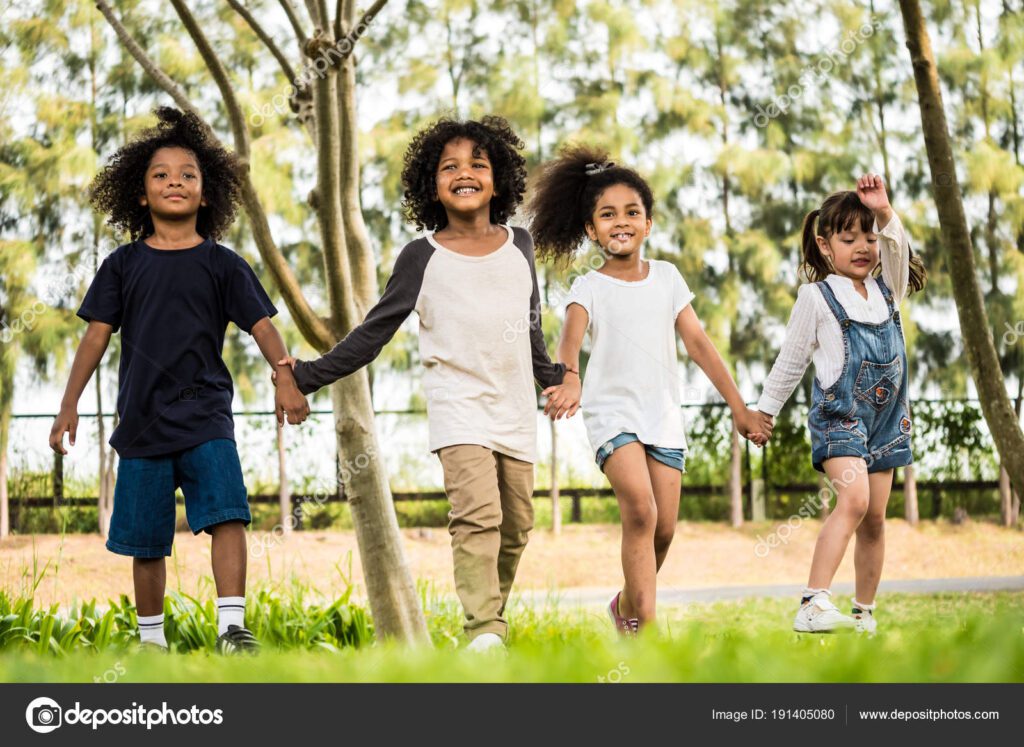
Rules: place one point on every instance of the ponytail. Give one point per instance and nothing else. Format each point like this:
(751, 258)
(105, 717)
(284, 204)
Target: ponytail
(565, 193)
(814, 265)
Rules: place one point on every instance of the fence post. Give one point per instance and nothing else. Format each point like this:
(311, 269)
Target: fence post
(757, 512)
(556, 502)
(58, 478)
(577, 514)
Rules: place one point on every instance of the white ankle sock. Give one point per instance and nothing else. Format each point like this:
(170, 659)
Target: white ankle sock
(230, 611)
(151, 630)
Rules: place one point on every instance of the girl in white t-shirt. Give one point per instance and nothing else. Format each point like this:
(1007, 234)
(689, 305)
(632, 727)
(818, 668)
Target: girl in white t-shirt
(631, 402)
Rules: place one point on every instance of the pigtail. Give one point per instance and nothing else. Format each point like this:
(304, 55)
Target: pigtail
(918, 274)
(814, 266)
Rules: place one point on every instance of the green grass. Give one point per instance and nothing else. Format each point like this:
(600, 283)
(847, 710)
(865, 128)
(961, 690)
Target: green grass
(924, 638)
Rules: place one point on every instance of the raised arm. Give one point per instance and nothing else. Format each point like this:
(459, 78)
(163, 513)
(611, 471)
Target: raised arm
(894, 249)
(87, 358)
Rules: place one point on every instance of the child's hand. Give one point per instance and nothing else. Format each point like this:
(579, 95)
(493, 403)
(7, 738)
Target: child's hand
(754, 425)
(872, 194)
(564, 398)
(289, 360)
(66, 421)
(290, 402)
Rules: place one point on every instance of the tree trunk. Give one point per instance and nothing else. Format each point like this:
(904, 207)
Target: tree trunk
(956, 238)
(284, 495)
(910, 507)
(1005, 498)
(556, 500)
(389, 585)
(736, 481)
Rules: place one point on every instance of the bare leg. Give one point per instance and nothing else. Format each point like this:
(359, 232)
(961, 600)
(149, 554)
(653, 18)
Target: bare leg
(666, 482)
(150, 577)
(626, 470)
(849, 476)
(228, 556)
(869, 549)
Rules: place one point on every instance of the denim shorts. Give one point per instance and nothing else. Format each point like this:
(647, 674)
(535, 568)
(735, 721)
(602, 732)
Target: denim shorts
(675, 458)
(210, 477)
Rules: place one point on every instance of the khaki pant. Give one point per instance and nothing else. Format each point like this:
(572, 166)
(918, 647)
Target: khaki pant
(491, 516)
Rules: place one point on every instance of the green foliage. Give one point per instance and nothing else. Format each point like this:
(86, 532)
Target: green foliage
(922, 638)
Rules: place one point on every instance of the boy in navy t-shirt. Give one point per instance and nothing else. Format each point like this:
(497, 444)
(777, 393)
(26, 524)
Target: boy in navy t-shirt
(171, 292)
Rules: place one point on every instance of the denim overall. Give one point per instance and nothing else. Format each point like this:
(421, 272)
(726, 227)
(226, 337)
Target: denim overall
(865, 412)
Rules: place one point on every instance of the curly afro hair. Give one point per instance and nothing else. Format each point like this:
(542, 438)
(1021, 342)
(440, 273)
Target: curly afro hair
(565, 194)
(492, 135)
(118, 186)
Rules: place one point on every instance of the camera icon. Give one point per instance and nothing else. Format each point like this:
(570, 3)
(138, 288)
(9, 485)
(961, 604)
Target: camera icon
(190, 393)
(44, 715)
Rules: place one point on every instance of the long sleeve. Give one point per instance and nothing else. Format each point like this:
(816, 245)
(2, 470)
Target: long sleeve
(795, 355)
(364, 343)
(546, 372)
(895, 256)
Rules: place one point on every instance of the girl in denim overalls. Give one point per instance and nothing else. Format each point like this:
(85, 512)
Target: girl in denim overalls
(847, 320)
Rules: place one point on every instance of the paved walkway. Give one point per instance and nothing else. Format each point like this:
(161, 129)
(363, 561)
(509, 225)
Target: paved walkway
(585, 597)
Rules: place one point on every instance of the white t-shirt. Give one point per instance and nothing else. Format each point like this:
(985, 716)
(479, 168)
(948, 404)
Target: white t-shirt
(632, 379)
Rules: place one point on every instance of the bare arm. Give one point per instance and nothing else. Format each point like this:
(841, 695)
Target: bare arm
(564, 399)
(87, 358)
(704, 353)
(288, 400)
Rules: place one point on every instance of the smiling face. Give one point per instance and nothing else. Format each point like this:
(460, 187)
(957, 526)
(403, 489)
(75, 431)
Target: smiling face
(465, 180)
(852, 251)
(619, 222)
(173, 184)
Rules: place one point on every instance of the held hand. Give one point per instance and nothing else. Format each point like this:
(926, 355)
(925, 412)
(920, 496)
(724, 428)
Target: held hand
(872, 194)
(65, 422)
(753, 425)
(290, 402)
(563, 399)
(288, 360)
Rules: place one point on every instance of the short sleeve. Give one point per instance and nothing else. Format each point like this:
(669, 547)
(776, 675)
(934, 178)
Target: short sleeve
(245, 301)
(103, 301)
(682, 296)
(580, 292)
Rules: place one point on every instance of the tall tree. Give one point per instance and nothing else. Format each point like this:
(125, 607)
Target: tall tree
(974, 324)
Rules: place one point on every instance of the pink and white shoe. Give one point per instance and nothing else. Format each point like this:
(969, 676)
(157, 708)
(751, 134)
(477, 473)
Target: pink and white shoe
(625, 626)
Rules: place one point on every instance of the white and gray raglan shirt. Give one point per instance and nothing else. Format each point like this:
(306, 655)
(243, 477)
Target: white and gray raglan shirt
(480, 341)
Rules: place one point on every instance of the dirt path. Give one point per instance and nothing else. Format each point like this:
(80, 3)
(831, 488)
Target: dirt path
(703, 556)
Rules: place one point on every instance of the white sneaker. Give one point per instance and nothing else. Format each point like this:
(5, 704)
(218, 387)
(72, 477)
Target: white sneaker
(819, 615)
(865, 618)
(486, 642)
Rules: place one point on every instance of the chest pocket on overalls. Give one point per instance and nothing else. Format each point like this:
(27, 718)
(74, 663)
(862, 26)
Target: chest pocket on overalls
(879, 384)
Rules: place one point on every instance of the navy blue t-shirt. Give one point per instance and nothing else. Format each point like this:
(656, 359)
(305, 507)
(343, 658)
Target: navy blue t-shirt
(173, 308)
